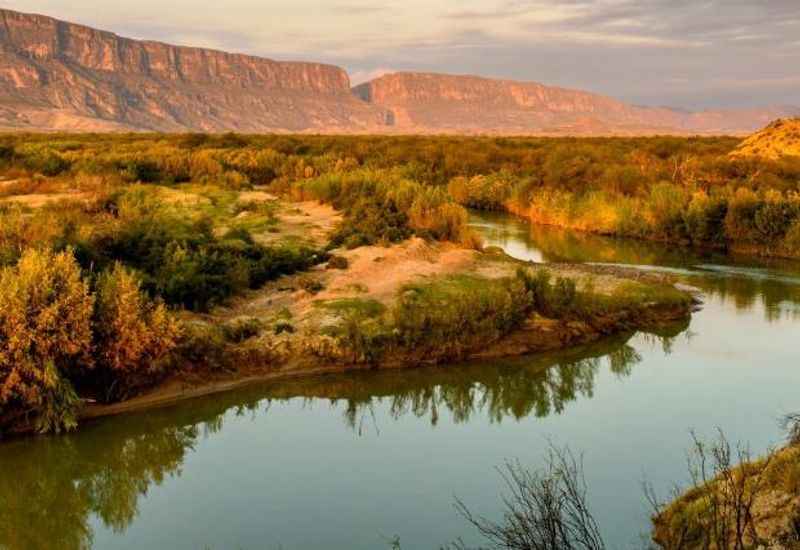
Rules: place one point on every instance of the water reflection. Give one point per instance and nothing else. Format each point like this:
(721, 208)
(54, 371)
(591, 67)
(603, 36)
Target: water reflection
(773, 285)
(512, 389)
(52, 487)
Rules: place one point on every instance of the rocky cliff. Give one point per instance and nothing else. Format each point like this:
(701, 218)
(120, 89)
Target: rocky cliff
(58, 75)
(449, 103)
(61, 76)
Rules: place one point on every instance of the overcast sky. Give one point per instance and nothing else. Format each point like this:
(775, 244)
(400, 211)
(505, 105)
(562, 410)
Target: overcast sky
(682, 53)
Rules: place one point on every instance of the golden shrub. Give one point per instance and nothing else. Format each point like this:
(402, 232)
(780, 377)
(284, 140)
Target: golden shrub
(132, 334)
(45, 331)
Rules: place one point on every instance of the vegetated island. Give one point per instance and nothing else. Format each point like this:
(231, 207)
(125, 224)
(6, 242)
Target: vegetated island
(139, 270)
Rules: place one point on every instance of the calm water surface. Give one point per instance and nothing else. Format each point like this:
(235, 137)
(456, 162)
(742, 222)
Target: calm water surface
(348, 462)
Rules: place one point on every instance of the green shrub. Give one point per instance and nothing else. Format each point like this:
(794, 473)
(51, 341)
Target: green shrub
(242, 329)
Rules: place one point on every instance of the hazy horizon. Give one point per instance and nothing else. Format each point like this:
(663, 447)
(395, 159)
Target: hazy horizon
(676, 53)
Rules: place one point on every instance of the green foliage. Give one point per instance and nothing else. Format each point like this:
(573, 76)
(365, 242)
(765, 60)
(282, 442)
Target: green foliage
(242, 329)
(370, 221)
(445, 318)
(181, 260)
(554, 299)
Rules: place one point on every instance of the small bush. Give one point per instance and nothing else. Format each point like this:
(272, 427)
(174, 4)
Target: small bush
(242, 329)
(338, 262)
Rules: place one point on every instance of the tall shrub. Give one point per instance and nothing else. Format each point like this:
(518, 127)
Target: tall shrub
(132, 334)
(45, 337)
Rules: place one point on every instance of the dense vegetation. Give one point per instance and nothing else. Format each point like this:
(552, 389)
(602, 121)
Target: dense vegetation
(678, 189)
(118, 235)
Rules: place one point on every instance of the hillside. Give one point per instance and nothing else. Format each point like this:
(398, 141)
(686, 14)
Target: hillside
(781, 138)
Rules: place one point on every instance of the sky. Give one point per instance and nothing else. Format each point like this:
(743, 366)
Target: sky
(690, 54)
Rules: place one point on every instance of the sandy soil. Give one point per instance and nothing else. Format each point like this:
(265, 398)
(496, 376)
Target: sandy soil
(40, 199)
(308, 222)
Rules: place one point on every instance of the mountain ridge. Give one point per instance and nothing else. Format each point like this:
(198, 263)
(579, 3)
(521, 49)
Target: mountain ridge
(56, 75)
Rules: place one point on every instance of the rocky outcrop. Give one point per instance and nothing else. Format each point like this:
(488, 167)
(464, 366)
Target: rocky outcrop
(450, 103)
(58, 75)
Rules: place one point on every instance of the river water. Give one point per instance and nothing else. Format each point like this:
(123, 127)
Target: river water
(351, 461)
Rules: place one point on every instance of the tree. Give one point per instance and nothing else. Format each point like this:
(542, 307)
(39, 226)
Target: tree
(45, 338)
(132, 334)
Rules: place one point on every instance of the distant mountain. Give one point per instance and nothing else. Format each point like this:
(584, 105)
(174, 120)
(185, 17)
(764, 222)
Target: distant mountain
(780, 139)
(61, 76)
(448, 103)
(57, 75)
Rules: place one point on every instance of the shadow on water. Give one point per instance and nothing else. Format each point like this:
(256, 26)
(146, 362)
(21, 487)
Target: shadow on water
(58, 484)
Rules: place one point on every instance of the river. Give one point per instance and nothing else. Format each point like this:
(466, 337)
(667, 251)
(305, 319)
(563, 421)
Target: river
(351, 461)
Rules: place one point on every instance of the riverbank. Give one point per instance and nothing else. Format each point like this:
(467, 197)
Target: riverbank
(654, 303)
(608, 226)
(316, 323)
(756, 503)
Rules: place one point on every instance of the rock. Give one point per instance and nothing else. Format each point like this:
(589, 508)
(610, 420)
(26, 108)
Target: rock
(438, 102)
(58, 75)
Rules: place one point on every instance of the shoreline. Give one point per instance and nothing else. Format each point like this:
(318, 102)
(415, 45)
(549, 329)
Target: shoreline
(539, 335)
(742, 250)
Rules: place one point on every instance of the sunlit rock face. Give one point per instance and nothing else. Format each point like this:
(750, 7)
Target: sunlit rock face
(437, 102)
(58, 75)
(61, 76)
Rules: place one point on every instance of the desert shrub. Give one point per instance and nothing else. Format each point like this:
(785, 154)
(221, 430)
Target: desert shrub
(338, 262)
(792, 240)
(774, 217)
(202, 347)
(132, 335)
(45, 337)
(433, 213)
(140, 170)
(42, 159)
(621, 180)
(705, 218)
(550, 298)
(361, 332)
(740, 220)
(447, 317)
(242, 329)
(482, 192)
(181, 260)
(370, 221)
(666, 204)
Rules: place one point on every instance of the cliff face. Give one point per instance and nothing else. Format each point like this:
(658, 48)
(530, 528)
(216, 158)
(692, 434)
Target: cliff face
(432, 102)
(60, 75)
